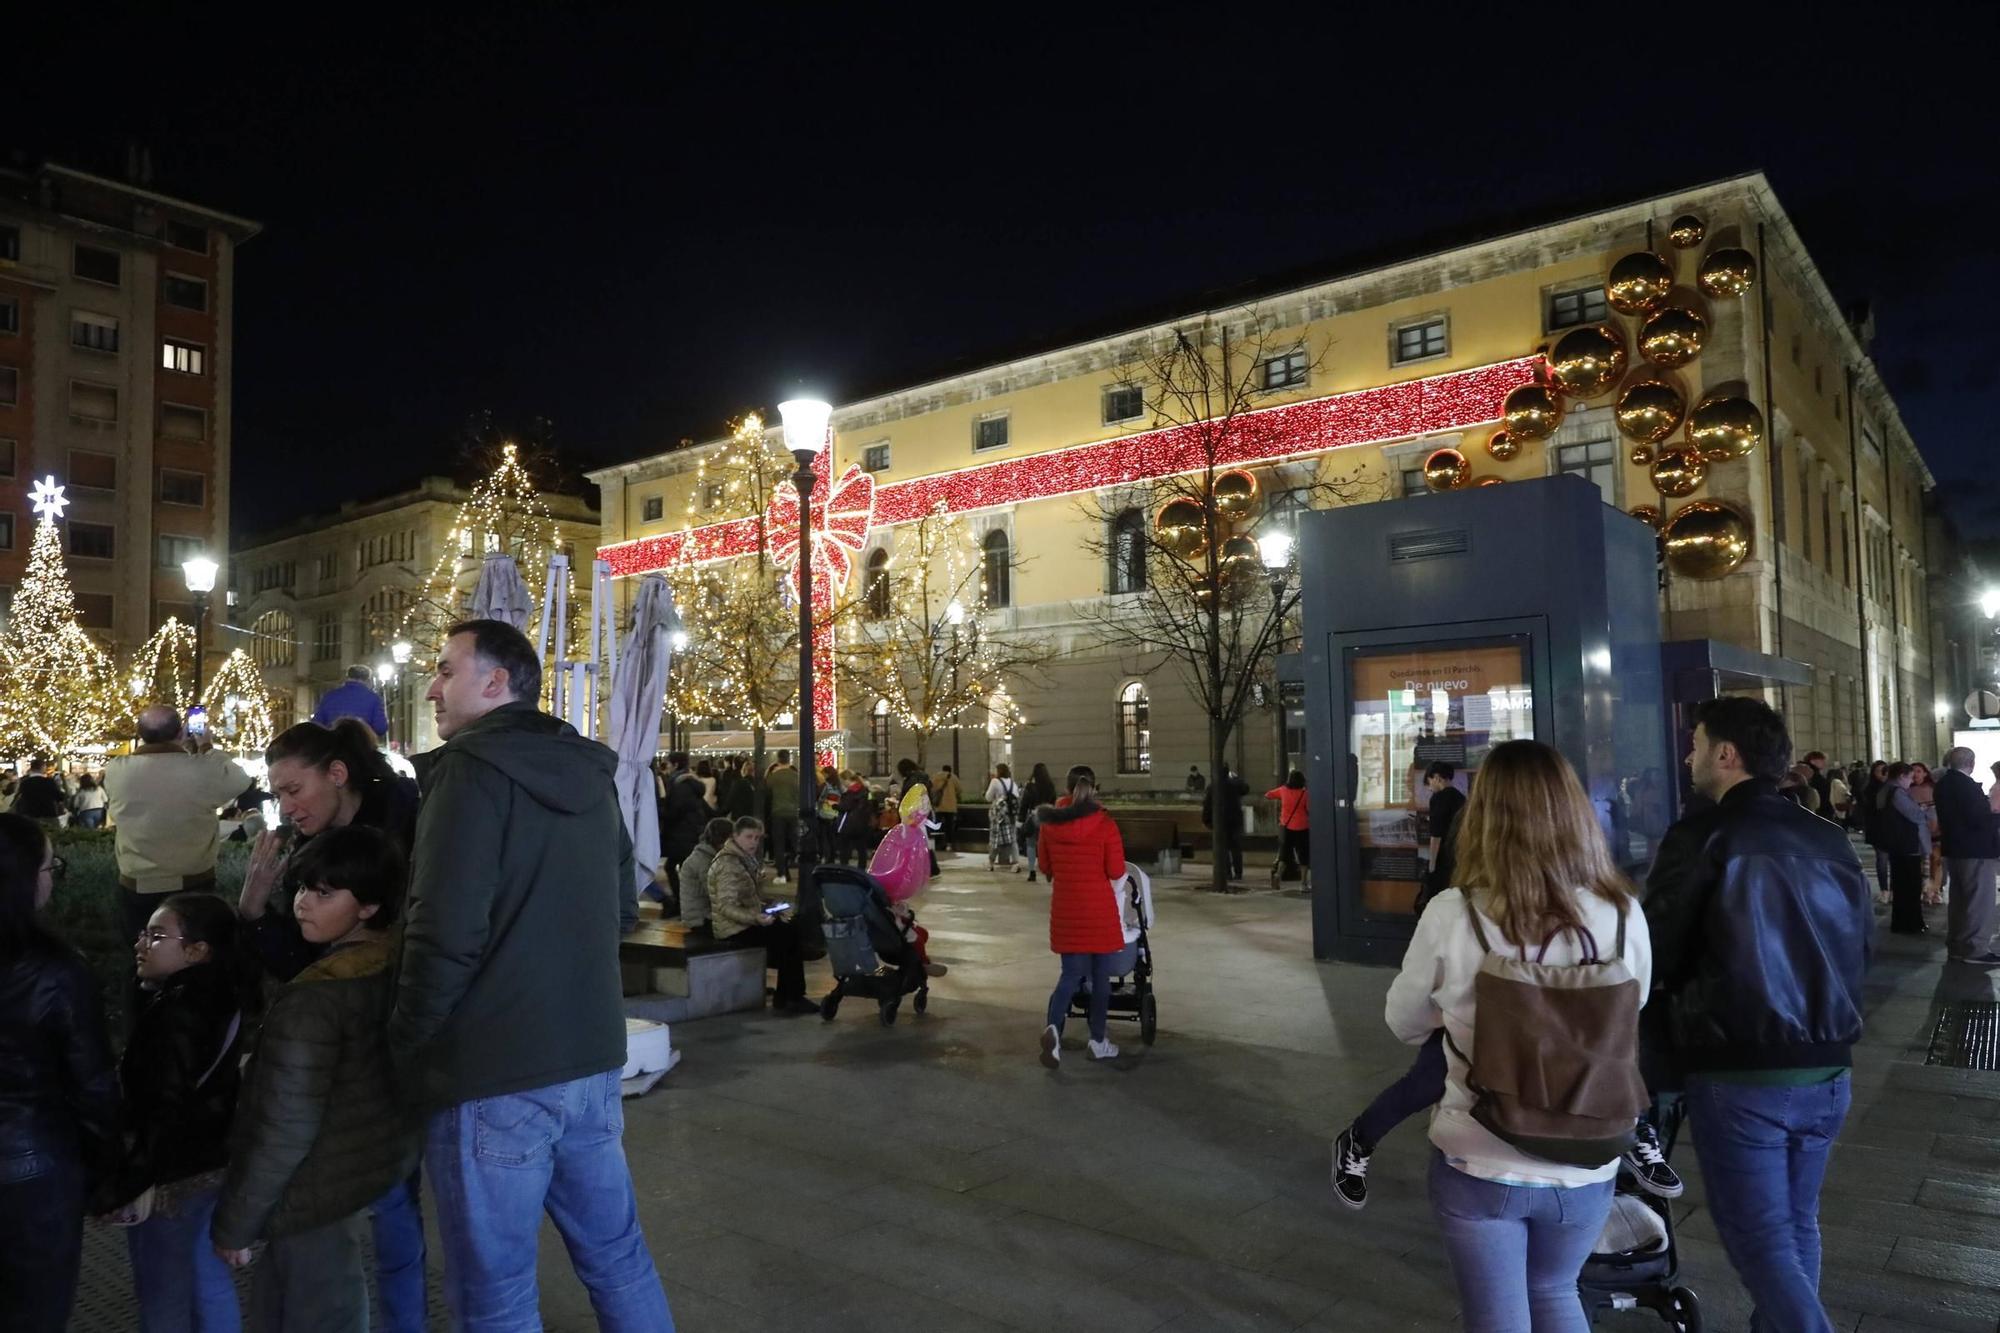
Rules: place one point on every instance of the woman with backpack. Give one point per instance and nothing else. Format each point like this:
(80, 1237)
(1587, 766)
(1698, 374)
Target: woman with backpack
(1535, 884)
(1003, 817)
(1040, 791)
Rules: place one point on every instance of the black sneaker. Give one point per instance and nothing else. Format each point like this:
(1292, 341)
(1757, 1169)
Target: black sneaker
(1350, 1169)
(1648, 1164)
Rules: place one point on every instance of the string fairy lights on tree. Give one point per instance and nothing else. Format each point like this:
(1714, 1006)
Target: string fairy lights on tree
(59, 691)
(162, 669)
(239, 706)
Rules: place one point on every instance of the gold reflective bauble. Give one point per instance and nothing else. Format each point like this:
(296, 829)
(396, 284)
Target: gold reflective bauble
(1531, 412)
(1240, 554)
(1647, 514)
(1588, 361)
(1672, 337)
(1725, 427)
(1679, 472)
(1639, 283)
(1235, 494)
(1641, 455)
(1179, 528)
(1649, 410)
(1687, 232)
(1707, 539)
(1502, 446)
(1728, 271)
(1446, 470)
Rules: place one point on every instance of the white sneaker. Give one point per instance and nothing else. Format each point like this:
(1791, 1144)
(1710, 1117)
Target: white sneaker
(1103, 1050)
(1051, 1046)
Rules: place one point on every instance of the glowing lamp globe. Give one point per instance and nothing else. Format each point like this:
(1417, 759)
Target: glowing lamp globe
(200, 573)
(805, 421)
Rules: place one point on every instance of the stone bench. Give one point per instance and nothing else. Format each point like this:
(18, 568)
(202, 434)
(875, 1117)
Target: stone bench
(672, 974)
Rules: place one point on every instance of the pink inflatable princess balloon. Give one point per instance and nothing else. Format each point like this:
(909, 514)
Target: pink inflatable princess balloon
(902, 861)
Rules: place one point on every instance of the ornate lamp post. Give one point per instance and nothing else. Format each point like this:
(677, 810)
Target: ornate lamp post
(955, 616)
(200, 574)
(805, 421)
(1275, 550)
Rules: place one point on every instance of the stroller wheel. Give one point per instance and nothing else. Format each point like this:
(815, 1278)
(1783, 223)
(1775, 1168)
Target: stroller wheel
(1149, 1018)
(1686, 1310)
(922, 1000)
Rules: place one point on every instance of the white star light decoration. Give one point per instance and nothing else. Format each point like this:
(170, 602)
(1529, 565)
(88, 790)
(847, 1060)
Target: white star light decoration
(47, 498)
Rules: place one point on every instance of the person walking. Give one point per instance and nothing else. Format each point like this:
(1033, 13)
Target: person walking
(508, 1028)
(1294, 822)
(356, 698)
(1971, 838)
(1224, 816)
(1039, 791)
(945, 806)
(1447, 805)
(1535, 881)
(781, 785)
(1084, 857)
(1004, 814)
(1903, 834)
(59, 1107)
(1761, 919)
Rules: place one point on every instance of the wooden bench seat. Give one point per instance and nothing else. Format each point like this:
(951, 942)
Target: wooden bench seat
(670, 944)
(672, 974)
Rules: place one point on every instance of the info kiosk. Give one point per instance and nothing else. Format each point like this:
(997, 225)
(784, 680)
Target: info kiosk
(1438, 627)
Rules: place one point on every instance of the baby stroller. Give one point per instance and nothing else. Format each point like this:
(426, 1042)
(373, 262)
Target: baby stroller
(1132, 969)
(1637, 1263)
(869, 955)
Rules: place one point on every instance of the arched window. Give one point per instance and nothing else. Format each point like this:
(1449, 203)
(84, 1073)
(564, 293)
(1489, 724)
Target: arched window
(1128, 551)
(1135, 729)
(878, 737)
(274, 644)
(875, 585)
(998, 569)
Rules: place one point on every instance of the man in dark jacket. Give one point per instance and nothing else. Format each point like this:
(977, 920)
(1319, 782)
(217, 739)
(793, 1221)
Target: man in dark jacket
(1447, 801)
(1224, 816)
(1760, 921)
(683, 814)
(509, 1023)
(1966, 824)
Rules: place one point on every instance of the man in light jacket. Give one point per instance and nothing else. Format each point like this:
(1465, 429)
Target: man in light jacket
(163, 800)
(1971, 837)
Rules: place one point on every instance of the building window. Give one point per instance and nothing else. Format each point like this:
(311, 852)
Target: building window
(991, 432)
(89, 470)
(878, 739)
(875, 458)
(326, 637)
(1596, 462)
(185, 357)
(328, 566)
(1578, 305)
(6, 531)
(997, 572)
(1128, 551)
(180, 422)
(1123, 402)
(90, 401)
(10, 315)
(1284, 371)
(7, 459)
(10, 386)
(712, 493)
(652, 509)
(1281, 513)
(1135, 730)
(183, 488)
(92, 541)
(875, 585)
(173, 550)
(187, 236)
(1411, 483)
(1419, 342)
(188, 293)
(96, 333)
(10, 243)
(279, 574)
(95, 265)
(93, 610)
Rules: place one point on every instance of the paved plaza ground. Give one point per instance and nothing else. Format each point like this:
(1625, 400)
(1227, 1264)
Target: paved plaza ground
(934, 1177)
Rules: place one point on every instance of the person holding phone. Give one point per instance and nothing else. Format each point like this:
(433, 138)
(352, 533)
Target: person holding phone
(737, 911)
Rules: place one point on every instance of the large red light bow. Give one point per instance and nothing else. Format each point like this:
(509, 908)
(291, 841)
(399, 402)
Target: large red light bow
(838, 536)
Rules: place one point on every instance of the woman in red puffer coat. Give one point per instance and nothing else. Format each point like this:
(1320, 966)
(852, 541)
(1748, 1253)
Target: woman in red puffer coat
(1080, 851)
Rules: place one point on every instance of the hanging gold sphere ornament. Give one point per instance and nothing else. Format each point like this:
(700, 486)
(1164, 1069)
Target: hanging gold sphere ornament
(1588, 361)
(1447, 470)
(1240, 555)
(1723, 427)
(1678, 472)
(1649, 410)
(1707, 539)
(1727, 271)
(1179, 528)
(1673, 336)
(1641, 455)
(1235, 494)
(1501, 446)
(1647, 514)
(1639, 283)
(1687, 232)
(1531, 412)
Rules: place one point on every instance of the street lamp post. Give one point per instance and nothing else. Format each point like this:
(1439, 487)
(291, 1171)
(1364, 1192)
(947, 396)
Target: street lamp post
(805, 422)
(200, 574)
(955, 616)
(400, 652)
(679, 640)
(1275, 550)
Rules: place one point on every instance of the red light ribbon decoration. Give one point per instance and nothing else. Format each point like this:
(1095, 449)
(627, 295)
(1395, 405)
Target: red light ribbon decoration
(839, 535)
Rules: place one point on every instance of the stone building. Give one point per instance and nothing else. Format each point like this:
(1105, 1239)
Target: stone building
(1375, 371)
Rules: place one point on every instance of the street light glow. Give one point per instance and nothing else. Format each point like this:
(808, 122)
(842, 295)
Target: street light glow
(1942, 709)
(955, 613)
(401, 651)
(805, 424)
(385, 672)
(1989, 603)
(200, 574)
(679, 639)
(1276, 548)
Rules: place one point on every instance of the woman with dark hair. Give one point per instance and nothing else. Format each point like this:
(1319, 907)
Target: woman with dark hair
(58, 1091)
(87, 806)
(1040, 791)
(1084, 857)
(1294, 841)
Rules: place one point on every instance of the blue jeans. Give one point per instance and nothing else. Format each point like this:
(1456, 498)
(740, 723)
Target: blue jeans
(1516, 1250)
(182, 1287)
(1421, 1087)
(89, 818)
(1078, 968)
(1763, 1155)
(497, 1163)
(41, 1240)
(398, 1222)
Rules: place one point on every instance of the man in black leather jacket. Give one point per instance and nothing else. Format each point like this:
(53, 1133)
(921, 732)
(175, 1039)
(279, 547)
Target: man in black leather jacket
(1760, 920)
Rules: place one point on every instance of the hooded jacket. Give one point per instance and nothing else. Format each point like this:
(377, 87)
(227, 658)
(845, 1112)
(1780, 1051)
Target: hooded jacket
(520, 887)
(1079, 848)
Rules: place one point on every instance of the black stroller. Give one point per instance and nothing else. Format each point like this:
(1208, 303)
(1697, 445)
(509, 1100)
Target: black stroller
(1645, 1277)
(1131, 970)
(869, 955)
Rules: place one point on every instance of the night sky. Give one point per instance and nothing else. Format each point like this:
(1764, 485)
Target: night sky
(638, 228)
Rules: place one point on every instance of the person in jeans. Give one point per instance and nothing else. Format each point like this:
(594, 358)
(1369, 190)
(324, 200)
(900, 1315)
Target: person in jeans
(58, 1091)
(508, 1027)
(1971, 838)
(1903, 832)
(1083, 855)
(1533, 864)
(1761, 920)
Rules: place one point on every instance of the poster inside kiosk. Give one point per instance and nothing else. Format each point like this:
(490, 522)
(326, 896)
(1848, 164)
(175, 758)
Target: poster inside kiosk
(1414, 706)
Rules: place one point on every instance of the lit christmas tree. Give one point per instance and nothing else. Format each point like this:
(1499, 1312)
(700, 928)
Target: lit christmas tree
(60, 691)
(162, 671)
(239, 706)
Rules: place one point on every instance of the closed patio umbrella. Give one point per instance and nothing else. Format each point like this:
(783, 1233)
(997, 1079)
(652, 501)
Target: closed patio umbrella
(502, 594)
(638, 695)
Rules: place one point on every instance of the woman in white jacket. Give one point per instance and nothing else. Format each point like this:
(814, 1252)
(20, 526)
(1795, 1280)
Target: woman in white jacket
(1533, 862)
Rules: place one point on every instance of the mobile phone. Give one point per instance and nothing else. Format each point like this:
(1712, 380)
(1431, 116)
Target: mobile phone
(197, 721)
(776, 908)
